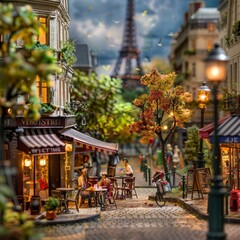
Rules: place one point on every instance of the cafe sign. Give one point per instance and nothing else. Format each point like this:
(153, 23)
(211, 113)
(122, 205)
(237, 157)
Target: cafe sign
(47, 122)
(47, 150)
(227, 139)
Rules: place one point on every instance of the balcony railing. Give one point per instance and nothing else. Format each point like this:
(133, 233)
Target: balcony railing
(232, 104)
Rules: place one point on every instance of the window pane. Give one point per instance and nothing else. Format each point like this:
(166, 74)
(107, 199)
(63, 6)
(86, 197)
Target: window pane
(42, 90)
(43, 34)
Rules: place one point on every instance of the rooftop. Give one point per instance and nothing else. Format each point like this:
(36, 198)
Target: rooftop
(206, 13)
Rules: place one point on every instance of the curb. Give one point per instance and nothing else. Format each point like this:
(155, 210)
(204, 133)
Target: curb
(195, 211)
(40, 221)
(184, 205)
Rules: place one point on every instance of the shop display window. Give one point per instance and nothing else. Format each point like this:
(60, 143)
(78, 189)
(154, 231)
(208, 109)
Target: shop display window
(230, 166)
(35, 170)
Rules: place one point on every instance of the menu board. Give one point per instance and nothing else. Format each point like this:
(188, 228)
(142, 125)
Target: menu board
(204, 177)
(193, 182)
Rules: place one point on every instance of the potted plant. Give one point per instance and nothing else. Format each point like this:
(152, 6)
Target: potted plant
(47, 108)
(51, 206)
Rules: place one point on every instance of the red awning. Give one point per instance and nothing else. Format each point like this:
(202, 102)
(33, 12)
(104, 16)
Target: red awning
(208, 129)
(90, 143)
(40, 141)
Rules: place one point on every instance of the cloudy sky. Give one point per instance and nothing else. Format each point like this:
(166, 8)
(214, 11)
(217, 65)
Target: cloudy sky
(100, 24)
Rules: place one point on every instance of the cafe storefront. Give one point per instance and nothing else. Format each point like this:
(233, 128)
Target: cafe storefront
(38, 154)
(229, 145)
(44, 153)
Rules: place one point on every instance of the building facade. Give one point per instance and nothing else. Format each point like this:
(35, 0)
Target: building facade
(191, 45)
(35, 147)
(44, 151)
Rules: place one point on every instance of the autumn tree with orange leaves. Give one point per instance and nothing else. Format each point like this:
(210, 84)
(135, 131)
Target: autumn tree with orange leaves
(165, 103)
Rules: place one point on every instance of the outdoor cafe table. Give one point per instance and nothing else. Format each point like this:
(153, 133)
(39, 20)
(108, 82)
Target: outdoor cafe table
(65, 192)
(99, 195)
(122, 177)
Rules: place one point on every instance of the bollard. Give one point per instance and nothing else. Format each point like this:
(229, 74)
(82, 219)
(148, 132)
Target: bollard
(159, 157)
(226, 203)
(168, 177)
(174, 174)
(149, 176)
(227, 196)
(183, 185)
(145, 172)
(143, 162)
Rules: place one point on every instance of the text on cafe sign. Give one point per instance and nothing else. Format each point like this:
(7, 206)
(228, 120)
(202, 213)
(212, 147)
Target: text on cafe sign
(41, 122)
(47, 150)
(229, 139)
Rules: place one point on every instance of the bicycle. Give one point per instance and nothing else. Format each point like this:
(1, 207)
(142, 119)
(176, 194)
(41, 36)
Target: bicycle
(160, 183)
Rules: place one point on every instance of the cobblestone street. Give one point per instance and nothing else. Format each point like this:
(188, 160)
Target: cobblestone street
(138, 219)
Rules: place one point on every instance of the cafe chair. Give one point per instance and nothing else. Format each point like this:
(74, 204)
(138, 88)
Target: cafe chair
(83, 198)
(119, 191)
(110, 195)
(114, 186)
(129, 184)
(74, 199)
(57, 194)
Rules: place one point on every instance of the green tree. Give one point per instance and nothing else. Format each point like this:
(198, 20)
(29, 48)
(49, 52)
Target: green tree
(161, 111)
(101, 106)
(192, 146)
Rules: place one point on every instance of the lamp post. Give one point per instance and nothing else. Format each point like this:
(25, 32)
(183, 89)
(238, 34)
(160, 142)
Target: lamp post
(216, 72)
(203, 97)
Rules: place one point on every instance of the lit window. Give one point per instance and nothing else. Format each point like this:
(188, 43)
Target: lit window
(209, 44)
(211, 27)
(42, 90)
(42, 38)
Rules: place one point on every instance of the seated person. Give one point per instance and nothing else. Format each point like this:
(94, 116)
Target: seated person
(82, 185)
(104, 182)
(43, 187)
(128, 168)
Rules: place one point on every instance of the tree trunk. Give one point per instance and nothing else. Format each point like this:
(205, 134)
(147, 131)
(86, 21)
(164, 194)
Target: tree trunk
(165, 164)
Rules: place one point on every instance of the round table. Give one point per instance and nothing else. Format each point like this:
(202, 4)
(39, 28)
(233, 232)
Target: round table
(99, 196)
(65, 192)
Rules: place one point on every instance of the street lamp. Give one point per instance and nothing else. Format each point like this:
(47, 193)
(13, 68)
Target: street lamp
(216, 72)
(203, 97)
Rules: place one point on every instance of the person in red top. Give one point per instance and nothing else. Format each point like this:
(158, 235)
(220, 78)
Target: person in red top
(43, 187)
(104, 182)
(43, 183)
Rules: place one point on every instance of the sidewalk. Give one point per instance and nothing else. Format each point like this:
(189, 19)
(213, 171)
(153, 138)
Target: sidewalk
(195, 206)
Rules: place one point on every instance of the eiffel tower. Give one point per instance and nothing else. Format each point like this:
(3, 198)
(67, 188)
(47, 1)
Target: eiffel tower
(129, 53)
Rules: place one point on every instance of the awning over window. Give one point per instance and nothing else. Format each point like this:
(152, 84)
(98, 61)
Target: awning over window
(90, 143)
(208, 129)
(228, 131)
(40, 141)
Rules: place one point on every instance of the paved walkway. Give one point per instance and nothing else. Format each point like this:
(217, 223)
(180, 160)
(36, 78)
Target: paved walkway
(145, 192)
(136, 219)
